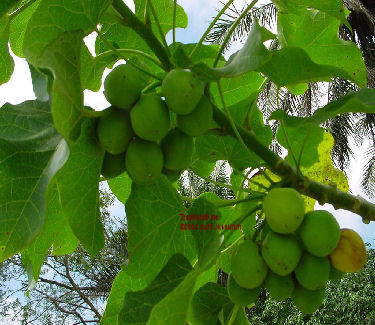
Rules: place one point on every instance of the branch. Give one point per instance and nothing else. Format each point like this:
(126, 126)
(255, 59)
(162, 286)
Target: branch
(321, 192)
(129, 19)
(77, 289)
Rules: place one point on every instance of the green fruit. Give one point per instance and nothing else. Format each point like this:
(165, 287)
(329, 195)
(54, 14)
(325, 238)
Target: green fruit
(279, 287)
(150, 118)
(182, 91)
(113, 165)
(178, 150)
(284, 209)
(241, 296)
(308, 301)
(115, 131)
(248, 267)
(319, 232)
(281, 252)
(335, 274)
(123, 86)
(144, 161)
(198, 121)
(312, 272)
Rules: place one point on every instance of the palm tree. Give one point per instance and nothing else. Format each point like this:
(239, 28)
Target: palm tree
(343, 127)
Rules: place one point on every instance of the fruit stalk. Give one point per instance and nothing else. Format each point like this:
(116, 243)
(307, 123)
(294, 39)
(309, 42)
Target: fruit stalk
(129, 19)
(321, 192)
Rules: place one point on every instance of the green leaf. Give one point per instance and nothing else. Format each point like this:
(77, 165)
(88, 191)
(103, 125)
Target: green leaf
(121, 187)
(292, 65)
(317, 33)
(251, 57)
(6, 6)
(334, 8)
(164, 12)
(18, 28)
(56, 230)
(299, 137)
(236, 89)
(28, 160)
(138, 305)
(78, 185)
(40, 84)
(122, 284)
(63, 56)
(55, 17)
(207, 238)
(207, 303)
(6, 60)
(362, 101)
(153, 214)
(173, 309)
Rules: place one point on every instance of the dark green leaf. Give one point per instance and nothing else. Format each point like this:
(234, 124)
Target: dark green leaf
(78, 185)
(28, 160)
(6, 6)
(251, 57)
(207, 303)
(153, 214)
(321, 42)
(6, 60)
(40, 84)
(138, 305)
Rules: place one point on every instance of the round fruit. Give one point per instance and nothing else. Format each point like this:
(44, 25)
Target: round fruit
(308, 301)
(123, 85)
(319, 232)
(198, 121)
(115, 131)
(312, 272)
(335, 274)
(350, 255)
(241, 296)
(150, 118)
(281, 252)
(279, 287)
(178, 150)
(113, 165)
(284, 209)
(248, 267)
(144, 161)
(182, 91)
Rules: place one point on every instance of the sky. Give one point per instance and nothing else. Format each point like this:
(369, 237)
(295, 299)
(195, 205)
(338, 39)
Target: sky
(19, 89)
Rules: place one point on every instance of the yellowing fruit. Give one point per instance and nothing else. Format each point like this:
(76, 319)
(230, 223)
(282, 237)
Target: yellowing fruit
(319, 232)
(284, 209)
(350, 255)
(248, 267)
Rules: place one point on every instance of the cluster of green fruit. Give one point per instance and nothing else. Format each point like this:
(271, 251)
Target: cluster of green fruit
(295, 254)
(137, 132)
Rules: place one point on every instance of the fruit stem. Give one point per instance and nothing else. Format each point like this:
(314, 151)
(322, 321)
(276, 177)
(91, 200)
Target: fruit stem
(147, 56)
(233, 202)
(174, 22)
(233, 315)
(129, 19)
(231, 30)
(318, 191)
(210, 27)
(116, 51)
(158, 26)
